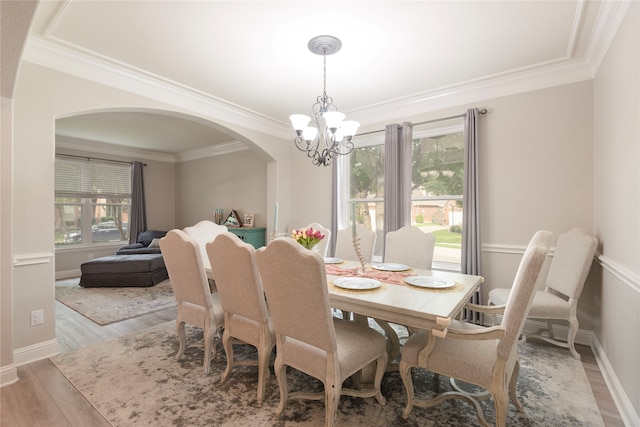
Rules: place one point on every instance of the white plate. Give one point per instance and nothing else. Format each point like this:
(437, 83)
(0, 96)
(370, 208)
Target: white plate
(428, 282)
(357, 283)
(390, 266)
(330, 260)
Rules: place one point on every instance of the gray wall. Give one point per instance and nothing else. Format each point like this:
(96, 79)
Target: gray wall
(552, 158)
(231, 181)
(616, 209)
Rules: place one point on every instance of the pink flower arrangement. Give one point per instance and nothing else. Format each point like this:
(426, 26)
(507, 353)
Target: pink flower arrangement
(307, 238)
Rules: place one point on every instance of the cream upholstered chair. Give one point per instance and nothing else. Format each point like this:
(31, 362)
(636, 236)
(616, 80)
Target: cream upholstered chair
(569, 268)
(486, 357)
(308, 338)
(344, 243)
(196, 305)
(245, 311)
(323, 246)
(204, 232)
(411, 246)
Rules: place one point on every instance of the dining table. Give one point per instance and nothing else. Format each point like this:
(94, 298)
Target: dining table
(396, 293)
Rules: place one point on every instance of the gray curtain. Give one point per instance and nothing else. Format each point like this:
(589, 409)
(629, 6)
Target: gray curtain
(471, 243)
(397, 176)
(138, 214)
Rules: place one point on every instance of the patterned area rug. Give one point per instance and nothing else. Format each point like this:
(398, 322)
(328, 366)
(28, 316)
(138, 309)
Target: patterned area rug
(136, 381)
(109, 305)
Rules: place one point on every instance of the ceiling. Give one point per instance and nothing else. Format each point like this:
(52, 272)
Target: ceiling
(252, 56)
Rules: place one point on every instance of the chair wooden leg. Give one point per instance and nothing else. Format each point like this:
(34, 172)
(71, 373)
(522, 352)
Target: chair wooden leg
(501, 402)
(550, 329)
(281, 377)
(227, 342)
(512, 387)
(381, 366)
(209, 348)
(571, 337)
(264, 355)
(405, 375)
(332, 400)
(181, 339)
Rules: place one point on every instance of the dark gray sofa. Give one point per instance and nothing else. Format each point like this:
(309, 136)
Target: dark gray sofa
(145, 238)
(140, 270)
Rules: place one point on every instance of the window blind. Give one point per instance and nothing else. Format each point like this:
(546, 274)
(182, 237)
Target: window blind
(92, 179)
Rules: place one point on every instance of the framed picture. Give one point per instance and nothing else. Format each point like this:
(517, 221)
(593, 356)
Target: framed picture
(233, 220)
(248, 220)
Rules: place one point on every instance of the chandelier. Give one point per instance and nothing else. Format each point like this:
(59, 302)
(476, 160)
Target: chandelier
(330, 135)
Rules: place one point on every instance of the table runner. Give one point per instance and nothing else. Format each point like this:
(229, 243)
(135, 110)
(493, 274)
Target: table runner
(394, 277)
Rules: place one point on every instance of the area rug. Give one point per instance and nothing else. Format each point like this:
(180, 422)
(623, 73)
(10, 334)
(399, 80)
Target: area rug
(108, 305)
(136, 381)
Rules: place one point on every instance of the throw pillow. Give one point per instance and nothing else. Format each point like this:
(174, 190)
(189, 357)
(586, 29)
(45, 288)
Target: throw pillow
(155, 243)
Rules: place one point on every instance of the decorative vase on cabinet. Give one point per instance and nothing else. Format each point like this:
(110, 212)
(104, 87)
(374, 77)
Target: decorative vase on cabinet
(255, 236)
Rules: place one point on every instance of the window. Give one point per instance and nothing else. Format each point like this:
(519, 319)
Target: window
(366, 189)
(436, 196)
(92, 202)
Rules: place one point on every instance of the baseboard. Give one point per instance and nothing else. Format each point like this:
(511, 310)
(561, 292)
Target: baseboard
(531, 326)
(625, 407)
(560, 331)
(33, 353)
(8, 375)
(67, 274)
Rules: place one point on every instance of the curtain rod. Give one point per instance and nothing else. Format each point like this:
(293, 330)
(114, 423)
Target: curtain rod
(97, 158)
(483, 111)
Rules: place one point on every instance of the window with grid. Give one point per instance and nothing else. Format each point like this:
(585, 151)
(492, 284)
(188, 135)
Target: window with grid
(436, 188)
(92, 202)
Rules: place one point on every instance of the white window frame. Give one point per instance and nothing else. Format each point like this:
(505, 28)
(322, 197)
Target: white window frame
(88, 206)
(344, 177)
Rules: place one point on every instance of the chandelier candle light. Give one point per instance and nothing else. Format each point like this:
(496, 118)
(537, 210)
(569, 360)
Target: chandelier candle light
(331, 136)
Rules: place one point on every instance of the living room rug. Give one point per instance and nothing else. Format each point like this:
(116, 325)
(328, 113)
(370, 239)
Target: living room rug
(136, 381)
(108, 305)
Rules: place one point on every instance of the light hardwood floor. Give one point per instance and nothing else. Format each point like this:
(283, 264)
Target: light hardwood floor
(44, 397)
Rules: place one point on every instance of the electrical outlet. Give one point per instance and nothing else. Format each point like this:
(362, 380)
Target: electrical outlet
(37, 317)
(90, 256)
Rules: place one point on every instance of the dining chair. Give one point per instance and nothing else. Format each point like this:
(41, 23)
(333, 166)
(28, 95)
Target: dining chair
(323, 246)
(483, 356)
(245, 311)
(196, 305)
(568, 271)
(410, 246)
(308, 338)
(344, 243)
(204, 232)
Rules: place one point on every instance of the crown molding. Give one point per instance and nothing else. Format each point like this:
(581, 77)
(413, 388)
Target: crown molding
(518, 81)
(112, 149)
(87, 65)
(56, 54)
(85, 145)
(605, 28)
(217, 150)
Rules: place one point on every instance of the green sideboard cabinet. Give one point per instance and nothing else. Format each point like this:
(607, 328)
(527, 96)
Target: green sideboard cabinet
(253, 235)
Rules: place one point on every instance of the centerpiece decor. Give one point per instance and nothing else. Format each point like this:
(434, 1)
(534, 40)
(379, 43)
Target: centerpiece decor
(307, 238)
(358, 249)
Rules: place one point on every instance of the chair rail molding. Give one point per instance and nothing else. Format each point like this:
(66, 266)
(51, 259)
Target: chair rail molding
(32, 259)
(625, 275)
